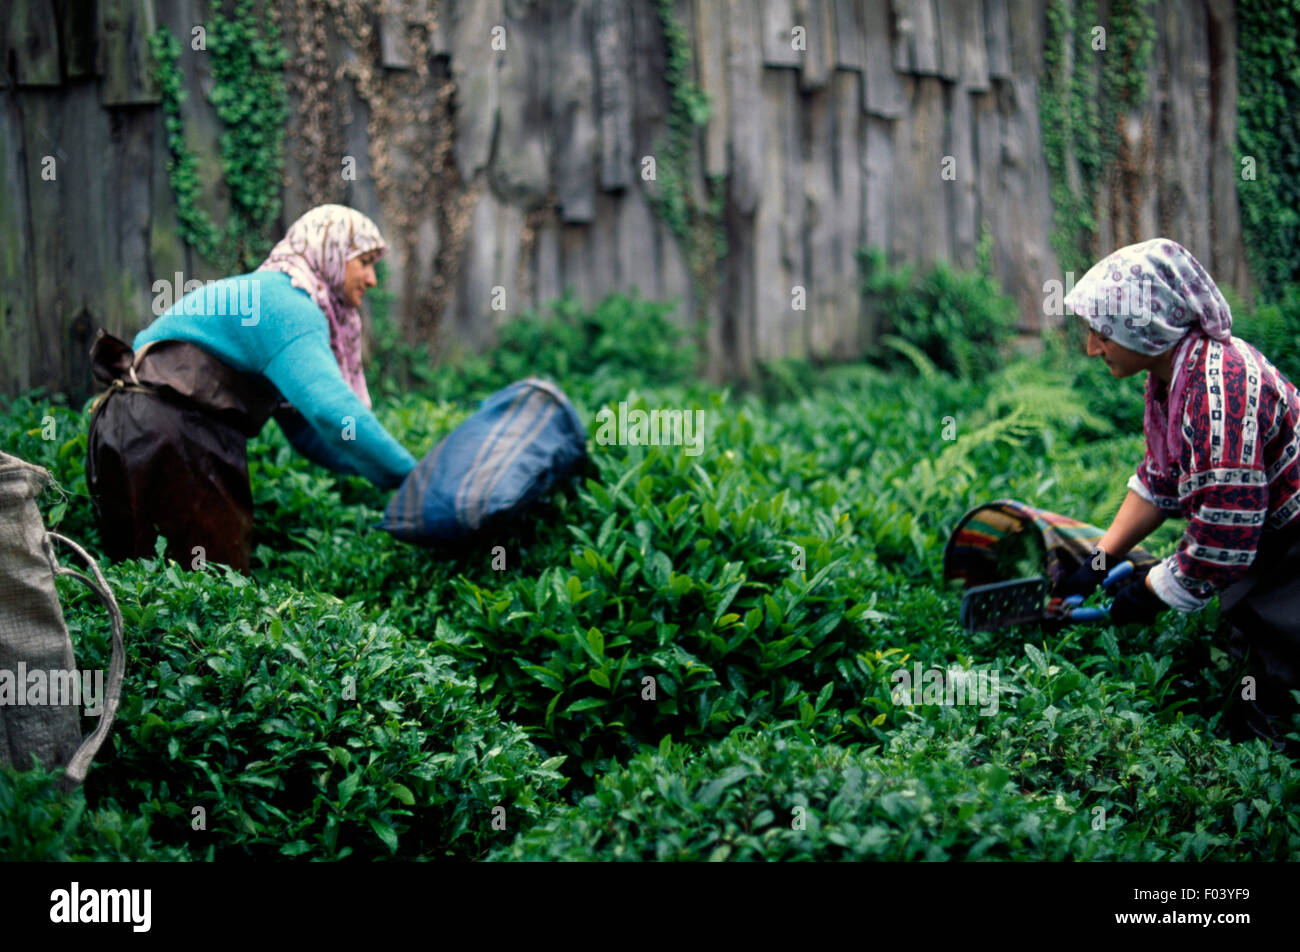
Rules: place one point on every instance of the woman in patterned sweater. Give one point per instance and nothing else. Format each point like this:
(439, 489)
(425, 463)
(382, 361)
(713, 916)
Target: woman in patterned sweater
(1222, 441)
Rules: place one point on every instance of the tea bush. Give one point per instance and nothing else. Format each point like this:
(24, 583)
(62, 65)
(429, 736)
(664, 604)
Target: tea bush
(39, 822)
(930, 795)
(689, 572)
(25, 423)
(773, 797)
(1099, 759)
(259, 721)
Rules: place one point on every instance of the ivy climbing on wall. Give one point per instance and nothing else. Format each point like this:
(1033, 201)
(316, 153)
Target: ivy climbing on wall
(1083, 102)
(1268, 135)
(697, 226)
(249, 98)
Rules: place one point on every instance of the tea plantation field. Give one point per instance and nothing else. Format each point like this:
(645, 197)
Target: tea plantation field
(682, 657)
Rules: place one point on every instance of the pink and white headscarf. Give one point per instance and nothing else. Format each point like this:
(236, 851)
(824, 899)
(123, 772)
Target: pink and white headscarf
(1147, 296)
(314, 253)
(1150, 297)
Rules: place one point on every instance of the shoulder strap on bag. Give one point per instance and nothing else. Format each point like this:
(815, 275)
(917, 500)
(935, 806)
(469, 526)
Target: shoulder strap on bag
(80, 762)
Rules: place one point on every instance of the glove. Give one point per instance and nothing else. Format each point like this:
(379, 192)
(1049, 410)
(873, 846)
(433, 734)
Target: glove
(1135, 603)
(1085, 579)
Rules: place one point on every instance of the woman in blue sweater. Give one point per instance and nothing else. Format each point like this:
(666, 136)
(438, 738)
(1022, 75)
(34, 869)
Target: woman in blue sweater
(167, 446)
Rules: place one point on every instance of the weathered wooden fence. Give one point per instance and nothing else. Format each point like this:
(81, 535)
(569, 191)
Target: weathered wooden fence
(503, 144)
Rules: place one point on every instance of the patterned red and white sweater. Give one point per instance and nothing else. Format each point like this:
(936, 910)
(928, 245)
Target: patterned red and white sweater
(1237, 475)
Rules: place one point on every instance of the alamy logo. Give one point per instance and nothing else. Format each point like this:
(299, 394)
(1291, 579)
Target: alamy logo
(240, 297)
(955, 686)
(103, 905)
(1133, 300)
(652, 428)
(57, 687)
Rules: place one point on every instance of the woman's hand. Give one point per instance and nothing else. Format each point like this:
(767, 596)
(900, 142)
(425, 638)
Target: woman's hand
(1086, 577)
(1136, 602)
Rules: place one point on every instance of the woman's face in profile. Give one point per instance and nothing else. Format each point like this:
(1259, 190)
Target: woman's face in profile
(1121, 361)
(358, 276)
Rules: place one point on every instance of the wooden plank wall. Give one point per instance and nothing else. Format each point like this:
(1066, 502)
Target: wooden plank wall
(831, 121)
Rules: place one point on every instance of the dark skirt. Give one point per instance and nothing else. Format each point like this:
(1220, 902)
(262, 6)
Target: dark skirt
(167, 452)
(1263, 612)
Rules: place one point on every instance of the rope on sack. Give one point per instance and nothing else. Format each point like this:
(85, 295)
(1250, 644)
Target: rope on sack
(80, 762)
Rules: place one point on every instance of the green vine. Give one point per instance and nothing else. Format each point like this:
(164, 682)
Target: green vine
(1082, 109)
(984, 252)
(249, 98)
(196, 227)
(1065, 131)
(699, 230)
(1268, 131)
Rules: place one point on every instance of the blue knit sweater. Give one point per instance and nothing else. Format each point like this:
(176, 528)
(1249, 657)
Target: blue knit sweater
(260, 323)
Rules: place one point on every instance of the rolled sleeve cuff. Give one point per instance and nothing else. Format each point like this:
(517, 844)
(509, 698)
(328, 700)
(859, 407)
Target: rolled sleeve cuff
(1140, 488)
(1170, 591)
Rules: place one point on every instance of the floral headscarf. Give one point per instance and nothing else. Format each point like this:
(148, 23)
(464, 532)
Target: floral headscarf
(1147, 296)
(314, 253)
(1150, 297)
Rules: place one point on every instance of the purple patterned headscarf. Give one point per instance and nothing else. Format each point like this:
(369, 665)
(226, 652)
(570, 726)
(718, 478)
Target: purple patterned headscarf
(1147, 296)
(1150, 297)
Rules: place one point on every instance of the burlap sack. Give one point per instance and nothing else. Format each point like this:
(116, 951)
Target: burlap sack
(33, 636)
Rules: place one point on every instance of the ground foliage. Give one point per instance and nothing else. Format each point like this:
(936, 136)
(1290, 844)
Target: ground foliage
(769, 585)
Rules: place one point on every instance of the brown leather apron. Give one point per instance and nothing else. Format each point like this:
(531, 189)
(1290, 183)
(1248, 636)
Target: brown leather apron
(167, 451)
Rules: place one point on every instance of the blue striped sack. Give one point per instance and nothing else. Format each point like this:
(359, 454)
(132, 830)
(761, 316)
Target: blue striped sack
(520, 442)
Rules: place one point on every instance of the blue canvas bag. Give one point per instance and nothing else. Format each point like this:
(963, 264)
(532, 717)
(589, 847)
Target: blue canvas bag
(520, 442)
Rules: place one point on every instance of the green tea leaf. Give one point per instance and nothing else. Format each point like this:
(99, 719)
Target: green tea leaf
(586, 704)
(774, 612)
(710, 516)
(348, 787)
(386, 834)
(711, 792)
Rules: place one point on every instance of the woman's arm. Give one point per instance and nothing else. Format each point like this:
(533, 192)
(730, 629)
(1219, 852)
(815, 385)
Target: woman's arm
(308, 376)
(1135, 520)
(304, 439)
